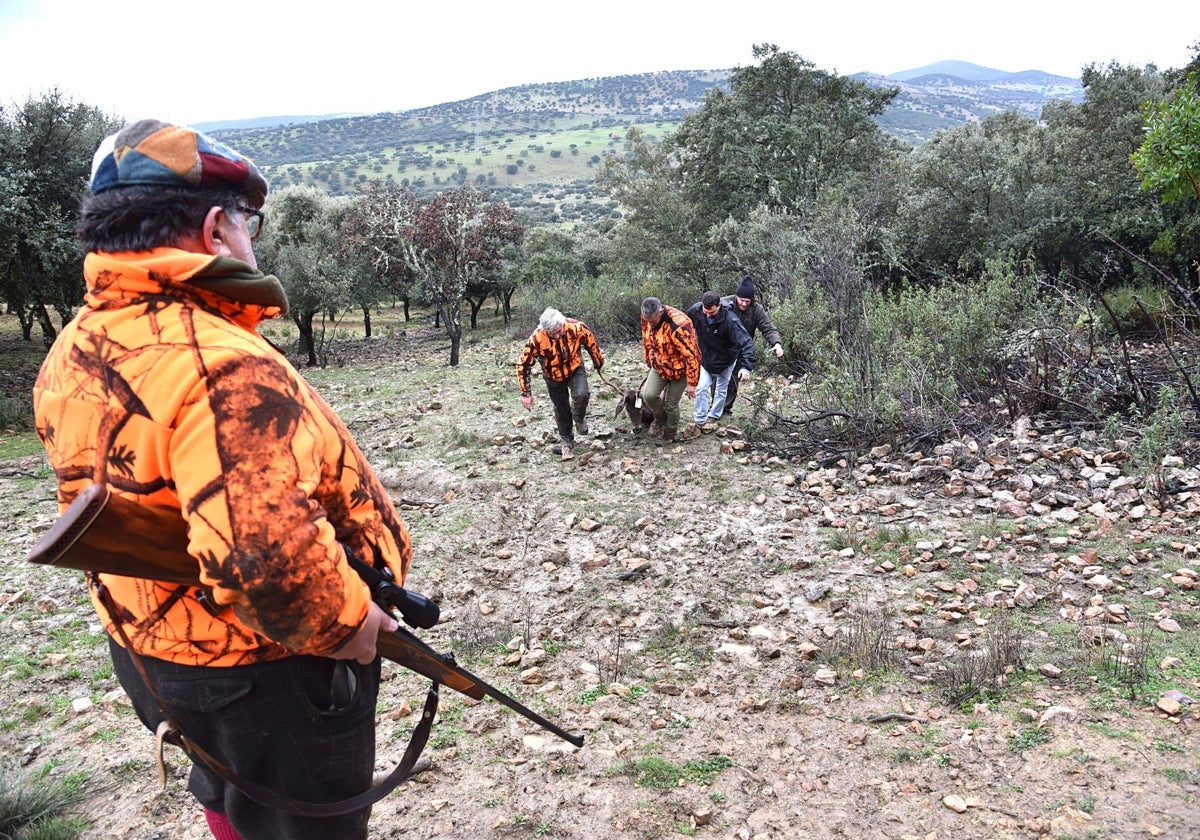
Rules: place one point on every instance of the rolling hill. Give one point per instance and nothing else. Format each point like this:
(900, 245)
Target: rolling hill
(538, 146)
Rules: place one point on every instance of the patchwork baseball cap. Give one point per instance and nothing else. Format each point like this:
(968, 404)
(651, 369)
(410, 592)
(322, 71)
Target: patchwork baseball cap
(155, 153)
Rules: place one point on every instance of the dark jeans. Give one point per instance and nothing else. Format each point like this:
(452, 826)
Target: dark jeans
(276, 723)
(570, 401)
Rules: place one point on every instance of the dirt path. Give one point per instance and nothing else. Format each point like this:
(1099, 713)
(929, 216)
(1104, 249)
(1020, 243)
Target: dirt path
(679, 606)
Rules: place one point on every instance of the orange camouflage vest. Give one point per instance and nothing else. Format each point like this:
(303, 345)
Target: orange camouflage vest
(558, 357)
(670, 347)
(162, 389)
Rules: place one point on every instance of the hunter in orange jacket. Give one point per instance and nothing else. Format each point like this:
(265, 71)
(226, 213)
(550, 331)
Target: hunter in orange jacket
(555, 346)
(162, 389)
(559, 354)
(673, 355)
(669, 346)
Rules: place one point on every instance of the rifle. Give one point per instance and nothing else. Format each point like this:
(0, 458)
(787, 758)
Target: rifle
(102, 532)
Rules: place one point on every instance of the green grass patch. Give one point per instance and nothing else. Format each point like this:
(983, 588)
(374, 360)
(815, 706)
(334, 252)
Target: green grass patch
(657, 772)
(1029, 737)
(38, 807)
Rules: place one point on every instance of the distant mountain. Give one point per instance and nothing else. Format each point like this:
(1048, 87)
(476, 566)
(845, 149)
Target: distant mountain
(947, 93)
(265, 122)
(961, 69)
(538, 146)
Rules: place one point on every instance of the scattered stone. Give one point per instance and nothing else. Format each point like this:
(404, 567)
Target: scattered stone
(955, 803)
(1057, 714)
(1168, 705)
(825, 676)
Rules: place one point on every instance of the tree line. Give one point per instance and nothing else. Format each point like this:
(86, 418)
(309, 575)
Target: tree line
(906, 280)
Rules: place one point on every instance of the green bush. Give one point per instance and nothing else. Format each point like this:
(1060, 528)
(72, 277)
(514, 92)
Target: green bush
(1139, 309)
(16, 415)
(910, 356)
(610, 305)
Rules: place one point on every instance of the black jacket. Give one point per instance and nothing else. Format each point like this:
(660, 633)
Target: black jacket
(723, 341)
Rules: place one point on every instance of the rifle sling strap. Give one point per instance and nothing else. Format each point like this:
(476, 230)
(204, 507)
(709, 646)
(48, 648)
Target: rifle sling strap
(170, 731)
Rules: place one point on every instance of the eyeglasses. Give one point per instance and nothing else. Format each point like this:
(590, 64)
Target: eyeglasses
(254, 221)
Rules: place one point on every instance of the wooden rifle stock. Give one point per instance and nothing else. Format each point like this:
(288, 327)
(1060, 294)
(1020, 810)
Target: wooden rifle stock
(102, 532)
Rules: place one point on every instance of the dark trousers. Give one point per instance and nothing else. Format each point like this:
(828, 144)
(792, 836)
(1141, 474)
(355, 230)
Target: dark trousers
(570, 401)
(277, 723)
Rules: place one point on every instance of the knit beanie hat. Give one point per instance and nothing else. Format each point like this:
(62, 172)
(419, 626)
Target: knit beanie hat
(745, 289)
(154, 153)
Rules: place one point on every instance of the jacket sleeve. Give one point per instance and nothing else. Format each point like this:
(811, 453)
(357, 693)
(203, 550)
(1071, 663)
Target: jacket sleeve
(689, 347)
(525, 365)
(763, 321)
(248, 454)
(592, 346)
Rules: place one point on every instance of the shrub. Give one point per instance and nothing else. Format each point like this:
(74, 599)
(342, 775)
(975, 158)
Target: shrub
(1138, 309)
(16, 415)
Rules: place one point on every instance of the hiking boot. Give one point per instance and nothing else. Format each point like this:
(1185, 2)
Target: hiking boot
(564, 450)
(581, 425)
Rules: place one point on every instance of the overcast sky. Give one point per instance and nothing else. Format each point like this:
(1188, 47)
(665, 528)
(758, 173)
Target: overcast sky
(204, 62)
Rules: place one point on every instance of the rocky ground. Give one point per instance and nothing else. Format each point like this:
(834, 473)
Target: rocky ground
(989, 639)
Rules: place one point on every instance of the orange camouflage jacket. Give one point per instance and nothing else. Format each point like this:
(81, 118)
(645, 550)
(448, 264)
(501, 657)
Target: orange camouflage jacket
(670, 347)
(162, 389)
(560, 356)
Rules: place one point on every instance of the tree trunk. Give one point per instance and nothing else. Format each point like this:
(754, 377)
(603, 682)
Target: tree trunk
(508, 296)
(304, 322)
(48, 331)
(453, 330)
(476, 305)
(366, 310)
(25, 318)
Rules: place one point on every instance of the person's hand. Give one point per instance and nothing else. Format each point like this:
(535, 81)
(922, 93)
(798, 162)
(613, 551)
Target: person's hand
(778, 348)
(361, 647)
(743, 375)
(527, 401)
(690, 391)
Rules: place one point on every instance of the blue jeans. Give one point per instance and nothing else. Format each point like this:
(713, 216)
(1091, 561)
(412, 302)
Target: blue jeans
(703, 414)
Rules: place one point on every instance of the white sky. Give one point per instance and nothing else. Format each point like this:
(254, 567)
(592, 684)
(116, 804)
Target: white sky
(204, 62)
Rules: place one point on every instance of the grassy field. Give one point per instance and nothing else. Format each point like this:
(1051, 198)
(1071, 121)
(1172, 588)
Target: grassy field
(549, 156)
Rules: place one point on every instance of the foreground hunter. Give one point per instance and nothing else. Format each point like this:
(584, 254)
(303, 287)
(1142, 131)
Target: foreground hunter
(162, 389)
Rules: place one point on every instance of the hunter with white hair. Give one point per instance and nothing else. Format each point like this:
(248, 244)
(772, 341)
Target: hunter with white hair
(556, 346)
